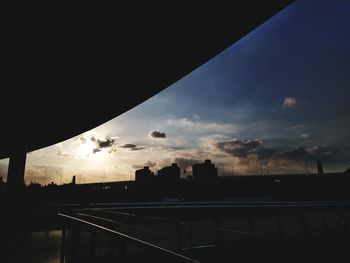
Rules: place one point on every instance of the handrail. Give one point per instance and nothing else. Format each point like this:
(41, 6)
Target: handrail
(191, 205)
(134, 241)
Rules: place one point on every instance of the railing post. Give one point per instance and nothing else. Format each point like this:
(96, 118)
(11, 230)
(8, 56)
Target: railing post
(325, 224)
(343, 224)
(304, 226)
(279, 227)
(111, 245)
(218, 232)
(121, 249)
(63, 246)
(191, 235)
(178, 235)
(92, 248)
(250, 226)
(75, 242)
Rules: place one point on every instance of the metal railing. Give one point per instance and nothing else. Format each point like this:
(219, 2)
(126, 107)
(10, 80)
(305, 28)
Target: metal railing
(124, 239)
(182, 223)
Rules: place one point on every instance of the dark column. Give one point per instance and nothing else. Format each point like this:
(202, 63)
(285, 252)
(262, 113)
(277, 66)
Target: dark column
(15, 175)
(14, 191)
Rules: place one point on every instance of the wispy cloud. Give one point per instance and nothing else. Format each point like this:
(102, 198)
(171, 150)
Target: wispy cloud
(43, 173)
(203, 126)
(63, 154)
(305, 136)
(289, 102)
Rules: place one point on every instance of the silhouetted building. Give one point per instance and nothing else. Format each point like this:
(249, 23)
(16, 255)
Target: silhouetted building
(319, 168)
(205, 170)
(143, 174)
(73, 179)
(170, 172)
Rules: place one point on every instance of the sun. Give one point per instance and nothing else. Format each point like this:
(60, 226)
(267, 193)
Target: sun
(86, 150)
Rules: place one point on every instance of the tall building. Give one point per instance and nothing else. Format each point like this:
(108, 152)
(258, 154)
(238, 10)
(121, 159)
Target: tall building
(170, 172)
(205, 170)
(143, 174)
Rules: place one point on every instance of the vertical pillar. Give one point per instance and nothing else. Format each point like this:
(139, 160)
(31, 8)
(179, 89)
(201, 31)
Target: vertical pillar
(14, 189)
(15, 176)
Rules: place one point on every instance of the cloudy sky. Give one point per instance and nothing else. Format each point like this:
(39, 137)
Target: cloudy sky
(274, 102)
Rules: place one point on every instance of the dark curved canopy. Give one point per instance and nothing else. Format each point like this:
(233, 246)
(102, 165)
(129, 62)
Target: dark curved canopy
(66, 74)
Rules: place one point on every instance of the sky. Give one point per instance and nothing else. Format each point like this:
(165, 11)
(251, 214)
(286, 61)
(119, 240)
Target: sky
(274, 102)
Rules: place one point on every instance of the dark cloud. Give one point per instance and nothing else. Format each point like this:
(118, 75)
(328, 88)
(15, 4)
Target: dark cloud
(128, 145)
(138, 148)
(322, 151)
(185, 163)
(309, 154)
(96, 150)
(298, 153)
(112, 150)
(265, 153)
(165, 162)
(82, 140)
(100, 144)
(253, 148)
(108, 142)
(132, 147)
(157, 134)
(148, 163)
(239, 148)
(137, 166)
(178, 148)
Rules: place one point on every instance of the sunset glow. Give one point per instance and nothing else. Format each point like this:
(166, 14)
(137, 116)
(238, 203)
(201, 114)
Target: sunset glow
(274, 102)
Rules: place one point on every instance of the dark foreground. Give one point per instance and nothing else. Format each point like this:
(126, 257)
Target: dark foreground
(190, 232)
